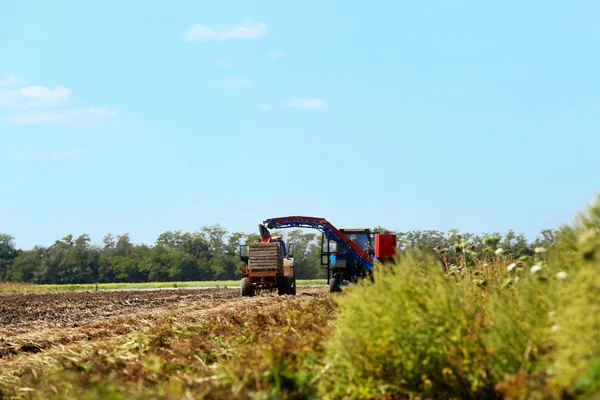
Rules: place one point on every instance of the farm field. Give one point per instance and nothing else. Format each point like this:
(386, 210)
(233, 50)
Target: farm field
(60, 333)
(467, 324)
(32, 288)
(279, 200)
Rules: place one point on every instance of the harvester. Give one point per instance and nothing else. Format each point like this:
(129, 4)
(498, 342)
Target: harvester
(347, 254)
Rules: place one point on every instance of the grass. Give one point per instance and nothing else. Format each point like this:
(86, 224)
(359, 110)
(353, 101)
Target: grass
(11, 287)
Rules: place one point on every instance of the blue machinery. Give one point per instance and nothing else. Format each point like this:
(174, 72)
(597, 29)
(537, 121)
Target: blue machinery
(343, 261)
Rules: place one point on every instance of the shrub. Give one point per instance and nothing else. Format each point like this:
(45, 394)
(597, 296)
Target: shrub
(529, 329)
(414, 330)
(576, 321)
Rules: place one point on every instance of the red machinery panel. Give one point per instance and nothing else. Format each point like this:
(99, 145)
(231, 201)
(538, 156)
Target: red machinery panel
(385, 246)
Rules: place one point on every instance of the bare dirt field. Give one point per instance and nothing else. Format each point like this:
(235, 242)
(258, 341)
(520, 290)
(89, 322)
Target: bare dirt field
(35, 325)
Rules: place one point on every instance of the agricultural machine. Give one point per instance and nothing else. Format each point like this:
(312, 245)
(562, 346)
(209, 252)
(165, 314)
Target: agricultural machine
(348, 254)
(268, 264)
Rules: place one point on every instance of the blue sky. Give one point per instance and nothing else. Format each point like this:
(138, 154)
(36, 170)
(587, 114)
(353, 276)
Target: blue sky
(143, 117)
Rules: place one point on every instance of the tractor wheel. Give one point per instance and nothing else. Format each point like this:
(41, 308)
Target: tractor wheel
(283, 285)
(334, 284)
(247, 288)
(292, 290)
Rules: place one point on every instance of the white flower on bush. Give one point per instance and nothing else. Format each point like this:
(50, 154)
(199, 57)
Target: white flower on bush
(511, 267)
(536, 268)
(555, 328)
(562, 275)
(499, 252)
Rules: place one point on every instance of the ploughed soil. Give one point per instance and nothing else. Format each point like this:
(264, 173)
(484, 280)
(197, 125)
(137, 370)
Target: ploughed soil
(33, 325)
(70, 309)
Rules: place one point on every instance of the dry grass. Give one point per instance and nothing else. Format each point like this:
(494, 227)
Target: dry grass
(17, 287)
(232, 347)
(24, 288)
(33, 323)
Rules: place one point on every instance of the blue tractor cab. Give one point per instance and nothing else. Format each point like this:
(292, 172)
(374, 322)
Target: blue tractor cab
(342, 266)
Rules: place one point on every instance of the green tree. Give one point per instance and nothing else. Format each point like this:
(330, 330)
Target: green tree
(27, 264)
(213, 253)
(545, 239)
(426, 240)
(84, 261)
(8, 252)
(306, 264)
(126, 262)
(56, 266)
(515, 245)
(215, 237)
(172, 240)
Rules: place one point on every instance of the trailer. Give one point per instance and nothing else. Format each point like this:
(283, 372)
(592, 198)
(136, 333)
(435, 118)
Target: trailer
(268, 265)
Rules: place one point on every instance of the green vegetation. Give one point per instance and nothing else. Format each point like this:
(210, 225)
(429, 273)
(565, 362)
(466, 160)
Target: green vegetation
(27, 287)
(521, 328)
(211, 254)
(458, 316)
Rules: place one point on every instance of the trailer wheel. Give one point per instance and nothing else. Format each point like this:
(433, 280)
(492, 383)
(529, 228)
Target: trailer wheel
(293, 286)
(247, 288)
(283, 285)
(334, 284)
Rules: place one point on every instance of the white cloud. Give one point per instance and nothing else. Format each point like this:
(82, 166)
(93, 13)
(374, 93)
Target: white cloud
(275, 54)
(233, 83)
(60, 156)
(306, 104)
(264, 107)
(66, 117)
(33, 96)
(12, 80)
(30, 105)
(59, 93)
(201, 33)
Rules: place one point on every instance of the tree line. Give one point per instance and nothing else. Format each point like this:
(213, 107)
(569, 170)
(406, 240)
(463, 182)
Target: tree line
(212, 253)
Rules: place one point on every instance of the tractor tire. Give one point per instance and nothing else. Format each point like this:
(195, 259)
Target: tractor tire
(334, 284)
(283, 285)
(246, 287)
(292, 290)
